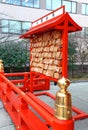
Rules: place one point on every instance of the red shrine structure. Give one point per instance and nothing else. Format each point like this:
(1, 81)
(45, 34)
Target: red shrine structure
(48, 62)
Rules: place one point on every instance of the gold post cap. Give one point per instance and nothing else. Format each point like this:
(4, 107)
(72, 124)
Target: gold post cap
(1, 61)
(1, 66)
(63, 83)
(63, 105)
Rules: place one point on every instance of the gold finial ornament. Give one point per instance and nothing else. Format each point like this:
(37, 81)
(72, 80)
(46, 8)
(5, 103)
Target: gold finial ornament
(1, 66)
(63, 105)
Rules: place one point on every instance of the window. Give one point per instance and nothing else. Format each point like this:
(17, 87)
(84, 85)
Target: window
(85, 9)
(86, 31)
(15, 2)
(74, 7)
(14, 27)
(56, 4)
(28, 3)
(4, 26)
(36, 3)
(53, 4)
(25, 26)
(48, 4)
(31, 3)
(83, 31)
(69, 5)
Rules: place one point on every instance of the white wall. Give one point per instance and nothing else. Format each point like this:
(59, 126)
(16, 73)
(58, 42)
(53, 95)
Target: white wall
(20, 13)
(82, 1)
(80, 19)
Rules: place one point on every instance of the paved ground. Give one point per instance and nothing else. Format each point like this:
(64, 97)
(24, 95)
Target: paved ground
(5, 121)
(79, 93)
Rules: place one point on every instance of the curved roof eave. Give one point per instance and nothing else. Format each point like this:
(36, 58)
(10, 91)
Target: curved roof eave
(51, 24)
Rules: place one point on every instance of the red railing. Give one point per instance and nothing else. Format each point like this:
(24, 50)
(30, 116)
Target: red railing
(19, 79)
(21, 105)
(18, 103)
(24, 82)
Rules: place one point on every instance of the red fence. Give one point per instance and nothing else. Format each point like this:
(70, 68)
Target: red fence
(26, 110)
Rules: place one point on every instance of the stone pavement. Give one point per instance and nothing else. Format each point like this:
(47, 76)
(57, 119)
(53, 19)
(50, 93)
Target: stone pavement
(79, 93)
(5, 121)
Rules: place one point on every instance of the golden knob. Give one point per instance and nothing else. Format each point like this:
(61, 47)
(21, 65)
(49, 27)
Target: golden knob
(63, 106)
(1, 66)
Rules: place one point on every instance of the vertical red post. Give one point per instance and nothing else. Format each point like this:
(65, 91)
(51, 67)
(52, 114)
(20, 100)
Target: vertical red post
(65, 50)
(26, 80)
(47, 82)
(31, 82)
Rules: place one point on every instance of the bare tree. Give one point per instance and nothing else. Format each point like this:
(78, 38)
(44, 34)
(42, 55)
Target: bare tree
(82, 51)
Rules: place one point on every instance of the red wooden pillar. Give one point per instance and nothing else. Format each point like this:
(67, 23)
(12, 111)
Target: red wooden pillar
(65, 50)
(31, 82)
(26, 81)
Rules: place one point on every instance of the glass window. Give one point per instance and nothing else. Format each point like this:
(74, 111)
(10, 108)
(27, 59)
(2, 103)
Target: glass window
(67, 5)
(83, 8)
(56, 4)
(36, 3)
(6, 1)
(31, 3)
(82, 32)
(27, 3)
(48, 4)
(86, 9)
(53, 4)
(4, 26)
(25, 26)
(70, 6)
(73, 7)
(16, 2)
(86, 31)
(14, 27)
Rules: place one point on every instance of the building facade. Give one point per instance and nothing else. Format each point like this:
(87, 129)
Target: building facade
(16, 15)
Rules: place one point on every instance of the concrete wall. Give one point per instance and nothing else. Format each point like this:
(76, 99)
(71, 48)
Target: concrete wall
(20, 13)
(81, 1)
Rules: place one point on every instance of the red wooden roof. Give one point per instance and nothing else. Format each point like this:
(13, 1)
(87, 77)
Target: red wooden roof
(57, 22)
